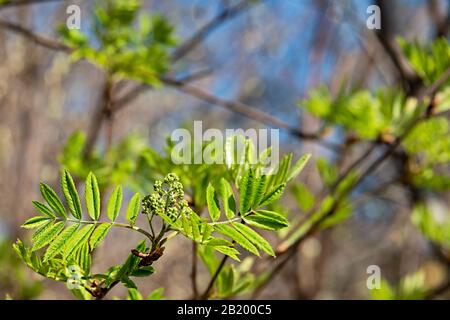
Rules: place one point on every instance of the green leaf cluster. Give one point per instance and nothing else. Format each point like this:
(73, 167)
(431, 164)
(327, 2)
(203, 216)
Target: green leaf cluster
(430, 62)
(125, 51)
(68, 240)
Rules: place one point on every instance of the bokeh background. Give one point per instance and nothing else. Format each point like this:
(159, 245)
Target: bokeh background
(268, 56)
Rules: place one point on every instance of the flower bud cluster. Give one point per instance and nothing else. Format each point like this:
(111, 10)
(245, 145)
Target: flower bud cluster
(168, 194)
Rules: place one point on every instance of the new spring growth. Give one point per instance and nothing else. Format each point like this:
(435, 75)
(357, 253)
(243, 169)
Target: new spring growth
(168, 198)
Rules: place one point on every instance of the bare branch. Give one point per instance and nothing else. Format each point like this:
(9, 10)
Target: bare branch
(442, 22)
(209, 27)
(410, 80)
(36, 38)
(194, 271)
(208, 290)
(101, 113)
(140, 88)
(245, 110)
(20, 3)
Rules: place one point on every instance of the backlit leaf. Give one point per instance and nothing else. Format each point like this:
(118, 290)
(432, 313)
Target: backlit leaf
(53, 200)
(246, 190)
(133, 208)
(115, 203)
(213, 204)
(57, 245)
(298, 167)
(71, 194)
(273, 195)
(42, 208)
(35, 222)
(268, 220)
(236, 236)
(99, 234)
(47, 236)
(227, 196)
(77, 240)
(255, 238)
(92, 197)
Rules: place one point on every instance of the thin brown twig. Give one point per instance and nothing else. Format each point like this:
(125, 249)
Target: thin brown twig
(102, 112)
(194, 272)
(441, 21)
(133, 93)
(354, 165)
(25, 3)
(127, 98)
(210, 286)
(410, 79)
(36, 38)
(213, 24)
(194, 268)
(258, 290)
(439, 290)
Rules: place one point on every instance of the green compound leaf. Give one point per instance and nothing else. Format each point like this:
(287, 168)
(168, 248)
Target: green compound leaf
(207, 231)
(143, 272)
(40, 230)
(260, 189)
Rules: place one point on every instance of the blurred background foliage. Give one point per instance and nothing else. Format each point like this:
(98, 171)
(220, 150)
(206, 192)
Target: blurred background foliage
(106, 97)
